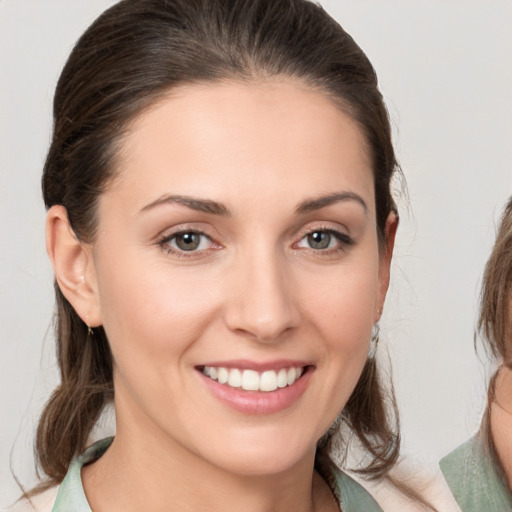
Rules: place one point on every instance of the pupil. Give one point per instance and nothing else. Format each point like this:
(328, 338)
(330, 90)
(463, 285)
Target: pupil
(188, 241)
(319, 240)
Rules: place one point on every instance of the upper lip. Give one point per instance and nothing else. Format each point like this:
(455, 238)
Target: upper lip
(259, 366)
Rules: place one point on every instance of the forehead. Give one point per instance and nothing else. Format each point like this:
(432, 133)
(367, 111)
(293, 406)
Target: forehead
(248, 137)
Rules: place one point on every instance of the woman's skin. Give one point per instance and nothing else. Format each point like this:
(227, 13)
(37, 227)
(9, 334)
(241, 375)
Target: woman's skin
(240, 233)
(501, 420)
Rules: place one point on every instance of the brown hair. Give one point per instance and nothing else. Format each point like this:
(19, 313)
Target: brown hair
(495, 321)
(129, 58)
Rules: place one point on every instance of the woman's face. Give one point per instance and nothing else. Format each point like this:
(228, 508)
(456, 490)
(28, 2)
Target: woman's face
(239, 242)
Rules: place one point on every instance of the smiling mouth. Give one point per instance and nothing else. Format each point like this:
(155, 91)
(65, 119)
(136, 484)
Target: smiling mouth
(251, 380)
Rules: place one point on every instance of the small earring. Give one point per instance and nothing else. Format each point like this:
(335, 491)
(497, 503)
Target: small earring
(90, 332)
(374, 341)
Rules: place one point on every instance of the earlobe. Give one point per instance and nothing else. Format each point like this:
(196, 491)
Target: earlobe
(73, 266)
(385, 260)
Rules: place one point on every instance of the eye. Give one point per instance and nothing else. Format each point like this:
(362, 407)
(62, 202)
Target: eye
(319, 240)
(187, 241)
(322, 239)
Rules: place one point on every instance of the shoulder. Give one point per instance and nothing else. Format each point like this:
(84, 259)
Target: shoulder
(351, 495)
(410, 484)
(42, 502)
(469, 452)
(69, 495)
(473, 479)
(408, 488)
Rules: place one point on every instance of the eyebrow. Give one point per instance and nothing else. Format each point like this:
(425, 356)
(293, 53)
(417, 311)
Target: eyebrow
(216, 208)
(201, 205)
(321, 202)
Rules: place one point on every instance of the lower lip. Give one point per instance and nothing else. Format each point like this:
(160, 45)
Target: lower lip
(259, 402)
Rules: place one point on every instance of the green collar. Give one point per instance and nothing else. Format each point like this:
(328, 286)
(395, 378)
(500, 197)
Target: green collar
(71, 495)
(473, 479)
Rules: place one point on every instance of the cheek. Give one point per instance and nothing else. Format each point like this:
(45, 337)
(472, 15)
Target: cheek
(343, 309)
(155, 313)
(342, 314)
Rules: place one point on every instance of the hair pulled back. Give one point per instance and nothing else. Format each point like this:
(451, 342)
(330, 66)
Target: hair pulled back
(131, 56)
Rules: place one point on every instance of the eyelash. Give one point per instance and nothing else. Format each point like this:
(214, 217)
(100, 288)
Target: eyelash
(343, 239)
(165, 241)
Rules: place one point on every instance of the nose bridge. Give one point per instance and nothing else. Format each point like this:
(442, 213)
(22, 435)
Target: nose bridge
(262, 302)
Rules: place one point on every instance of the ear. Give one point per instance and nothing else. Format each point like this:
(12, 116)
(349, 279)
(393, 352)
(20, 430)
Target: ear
(386, 254)
(73, 265)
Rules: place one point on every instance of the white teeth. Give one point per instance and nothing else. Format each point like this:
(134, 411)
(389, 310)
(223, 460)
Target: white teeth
(251, 380)
(235, 378)
(282, 378)
(291, 376)
(222, 375)
(268, 381)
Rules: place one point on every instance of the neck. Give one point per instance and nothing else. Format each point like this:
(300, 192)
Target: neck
(501, 420)
(143, 474)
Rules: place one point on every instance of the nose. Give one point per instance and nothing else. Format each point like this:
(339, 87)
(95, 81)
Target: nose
(262, 302)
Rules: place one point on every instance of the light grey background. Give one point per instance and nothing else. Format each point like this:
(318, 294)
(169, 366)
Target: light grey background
(446, 71)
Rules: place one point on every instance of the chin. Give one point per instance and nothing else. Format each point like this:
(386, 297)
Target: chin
(262, 455)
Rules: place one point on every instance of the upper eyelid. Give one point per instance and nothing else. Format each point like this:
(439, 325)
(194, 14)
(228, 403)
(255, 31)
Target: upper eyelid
(169, 233)
(165, 244)
(171, 236)
(342, 237)
(178, 233)
(323, 227)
